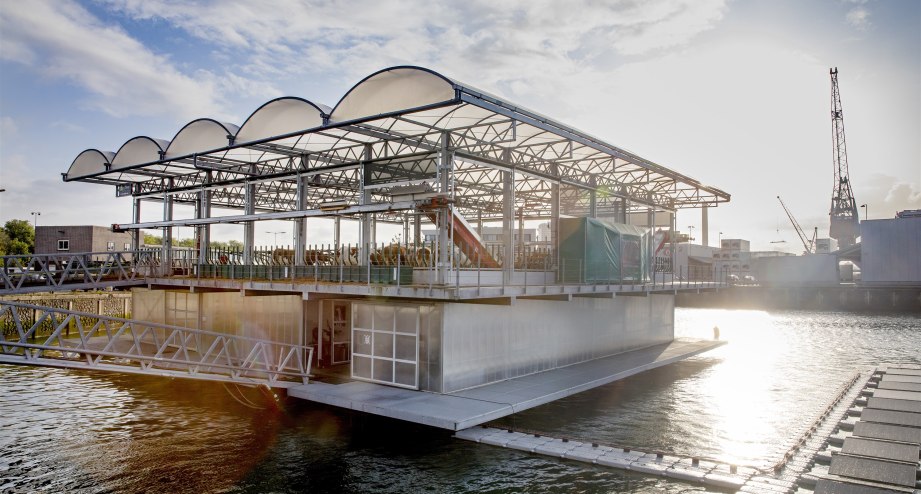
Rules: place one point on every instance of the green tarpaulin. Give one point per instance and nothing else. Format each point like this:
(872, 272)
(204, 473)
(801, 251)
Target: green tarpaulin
(597, 251)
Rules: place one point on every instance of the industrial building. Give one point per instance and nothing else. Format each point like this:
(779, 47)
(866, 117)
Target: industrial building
(890, 251)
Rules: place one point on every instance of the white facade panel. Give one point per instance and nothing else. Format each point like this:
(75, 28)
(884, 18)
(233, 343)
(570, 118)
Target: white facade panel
(891, 251)
(489, 343)
(811, 270)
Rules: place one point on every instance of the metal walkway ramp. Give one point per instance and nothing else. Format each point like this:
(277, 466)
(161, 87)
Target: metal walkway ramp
(91, 270)
(79, 340)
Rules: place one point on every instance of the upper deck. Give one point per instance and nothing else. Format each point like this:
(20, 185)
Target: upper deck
(406, 147)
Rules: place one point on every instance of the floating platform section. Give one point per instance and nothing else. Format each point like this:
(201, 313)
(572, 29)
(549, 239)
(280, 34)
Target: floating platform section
(877, 447)
(467, 408)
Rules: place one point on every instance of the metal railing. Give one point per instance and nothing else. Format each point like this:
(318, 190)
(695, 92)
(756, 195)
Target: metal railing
(44, 272)
(385, 263)
(90, 341)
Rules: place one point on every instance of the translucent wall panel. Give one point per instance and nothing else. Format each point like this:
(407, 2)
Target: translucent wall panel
(494, 343)
(385, 343)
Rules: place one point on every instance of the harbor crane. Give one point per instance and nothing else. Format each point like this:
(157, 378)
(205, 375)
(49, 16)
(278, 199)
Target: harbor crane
(809, 245)
(845, 226)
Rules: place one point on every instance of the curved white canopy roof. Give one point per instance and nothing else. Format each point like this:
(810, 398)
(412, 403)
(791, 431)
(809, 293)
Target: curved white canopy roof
(279, 117)
(90, 162)
(138, 150)
(203, 134)
(394, 123)
(393, 90)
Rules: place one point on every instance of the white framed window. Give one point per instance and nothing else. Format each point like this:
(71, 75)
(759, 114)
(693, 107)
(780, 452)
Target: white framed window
(64, 244)
(110, 245)
(127, 246)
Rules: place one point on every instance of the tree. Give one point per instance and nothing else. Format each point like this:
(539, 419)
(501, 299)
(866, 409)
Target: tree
(152, 239)
(4, 242)
(21, 236)
(231, 245)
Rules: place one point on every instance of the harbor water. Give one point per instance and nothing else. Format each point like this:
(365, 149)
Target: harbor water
(744, 403)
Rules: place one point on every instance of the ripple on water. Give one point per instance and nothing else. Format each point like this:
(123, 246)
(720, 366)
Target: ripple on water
(89, 432)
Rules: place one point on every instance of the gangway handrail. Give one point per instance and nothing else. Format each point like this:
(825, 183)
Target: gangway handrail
(173, 350)
(35, 272)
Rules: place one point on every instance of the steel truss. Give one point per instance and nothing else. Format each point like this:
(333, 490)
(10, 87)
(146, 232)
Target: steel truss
(484, 137)
(90, 270)
(82, 340)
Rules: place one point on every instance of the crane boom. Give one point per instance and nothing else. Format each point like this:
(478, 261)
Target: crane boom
(799, 230)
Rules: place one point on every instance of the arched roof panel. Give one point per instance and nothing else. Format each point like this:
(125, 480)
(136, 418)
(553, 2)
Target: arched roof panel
(139, 150)
(392, 90)
(89, 162)
(281, 116)
(203, 134)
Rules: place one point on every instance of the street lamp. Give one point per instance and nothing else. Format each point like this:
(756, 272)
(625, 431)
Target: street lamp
(865, 217)
(691, 235)
(721, 240)
(275, 240)
(35, 215)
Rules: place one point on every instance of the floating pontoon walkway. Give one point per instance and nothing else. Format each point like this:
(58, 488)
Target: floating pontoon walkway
(777, 478)
(463, 409)
(876, 449)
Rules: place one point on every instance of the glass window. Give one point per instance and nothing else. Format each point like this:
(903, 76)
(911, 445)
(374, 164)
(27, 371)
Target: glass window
(127, 246)
(110, 245)
(63, 244)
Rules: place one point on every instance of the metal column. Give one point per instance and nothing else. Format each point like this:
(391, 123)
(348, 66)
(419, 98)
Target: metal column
(337, 233)
(593, 200)
(555, 222)
(136, 237)
(249, 227)
(405, 228)
(508, 224)
(651, 250)
(445, 230)
(364, 198)
(203, 232)
(705, 226)
(167, 253)
(300, 225)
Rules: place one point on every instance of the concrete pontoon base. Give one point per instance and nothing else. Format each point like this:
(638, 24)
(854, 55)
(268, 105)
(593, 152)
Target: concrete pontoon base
(467, 408)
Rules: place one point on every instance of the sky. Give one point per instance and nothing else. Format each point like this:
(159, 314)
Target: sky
(735, 94)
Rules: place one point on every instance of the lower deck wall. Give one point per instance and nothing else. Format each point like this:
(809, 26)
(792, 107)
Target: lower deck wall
(488, 343)
(275, 317)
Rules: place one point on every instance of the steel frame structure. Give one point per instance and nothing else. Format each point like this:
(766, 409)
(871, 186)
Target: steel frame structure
(75, 271)
(483, 157)
(82, 340)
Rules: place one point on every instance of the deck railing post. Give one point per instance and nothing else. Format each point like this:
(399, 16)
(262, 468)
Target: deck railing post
(524, 267)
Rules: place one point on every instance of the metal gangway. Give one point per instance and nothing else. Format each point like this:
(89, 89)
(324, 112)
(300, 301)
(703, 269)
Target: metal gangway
(79, 340)
(74, 271)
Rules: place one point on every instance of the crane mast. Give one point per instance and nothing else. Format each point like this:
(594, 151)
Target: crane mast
(845, 226)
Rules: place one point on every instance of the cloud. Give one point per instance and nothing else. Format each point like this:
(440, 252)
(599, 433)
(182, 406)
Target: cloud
(63, 40)
(885, 195)
(499, 43)
(858, 17)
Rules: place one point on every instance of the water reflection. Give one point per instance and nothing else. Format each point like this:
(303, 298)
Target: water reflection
(89, 432)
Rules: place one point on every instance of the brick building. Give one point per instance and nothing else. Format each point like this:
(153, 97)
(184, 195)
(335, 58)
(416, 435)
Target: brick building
(79, 238)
